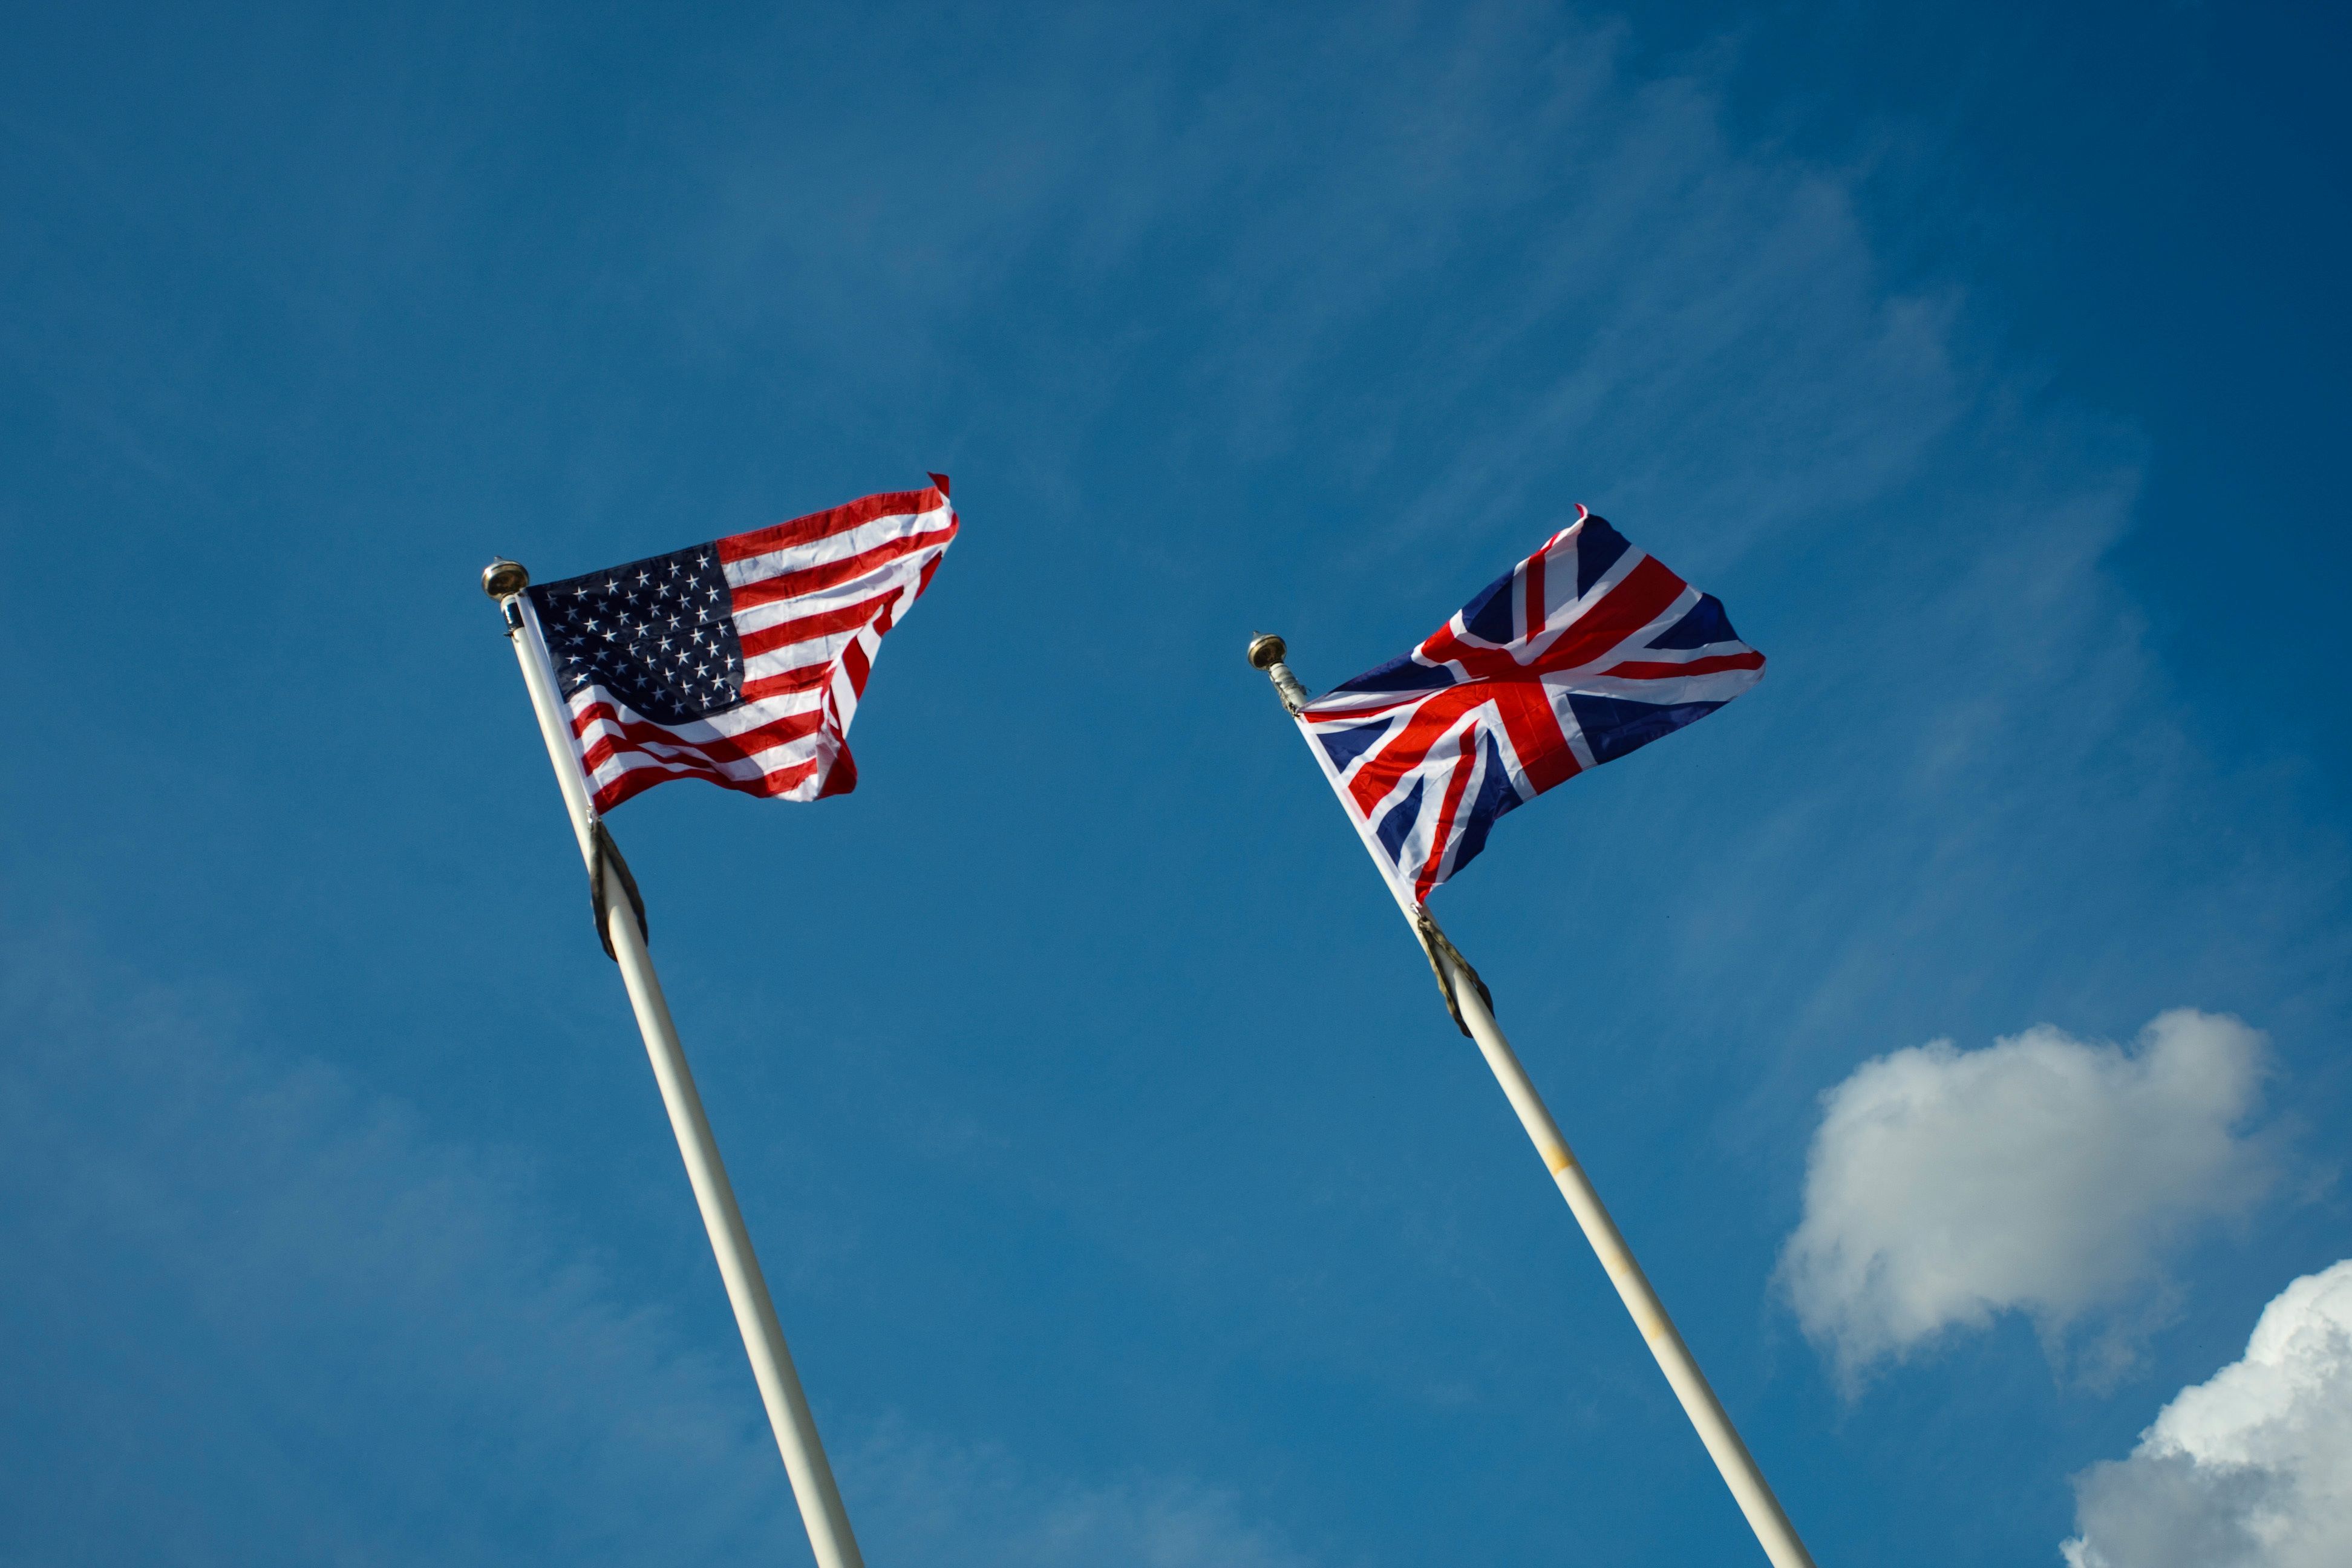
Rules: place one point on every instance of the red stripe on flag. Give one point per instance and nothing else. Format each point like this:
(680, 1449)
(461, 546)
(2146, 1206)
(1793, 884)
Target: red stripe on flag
(806, 678)
(1527, 718)
(1646, 671)
(808, 628)
(1641, 597)
(717, 748)
(831, 574)
(825, 524)
(1455, 789)
(1537, 739)
(1380, 772)
(637, 780)
(843, 776)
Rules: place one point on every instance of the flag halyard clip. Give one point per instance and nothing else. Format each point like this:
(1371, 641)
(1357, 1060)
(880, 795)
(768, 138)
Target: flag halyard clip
(606, 851)
(1440, 953)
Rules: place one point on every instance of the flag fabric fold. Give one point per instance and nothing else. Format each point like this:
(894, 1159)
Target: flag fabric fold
(741, 660)
(1586, 650)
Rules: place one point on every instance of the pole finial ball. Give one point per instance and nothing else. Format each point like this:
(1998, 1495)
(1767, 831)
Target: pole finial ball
(1266, 651)
(502, 578)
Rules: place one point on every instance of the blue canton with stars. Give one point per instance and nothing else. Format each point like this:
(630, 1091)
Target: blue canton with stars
(657, 634)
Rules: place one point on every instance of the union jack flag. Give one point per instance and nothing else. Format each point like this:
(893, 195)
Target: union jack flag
(739, 660)
(1586, 650)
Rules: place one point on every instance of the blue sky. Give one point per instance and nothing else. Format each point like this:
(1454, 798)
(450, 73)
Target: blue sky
(1128, 1197)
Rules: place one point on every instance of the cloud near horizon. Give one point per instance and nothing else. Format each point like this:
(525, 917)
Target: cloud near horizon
(2044, 1174)
(2251, 1468)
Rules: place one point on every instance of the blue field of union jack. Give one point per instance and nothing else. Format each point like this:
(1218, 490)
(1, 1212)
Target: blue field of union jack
(1586, 650)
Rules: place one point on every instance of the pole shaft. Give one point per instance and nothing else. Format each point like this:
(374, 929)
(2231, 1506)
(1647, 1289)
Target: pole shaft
(747, 1289)
(1749, 1487)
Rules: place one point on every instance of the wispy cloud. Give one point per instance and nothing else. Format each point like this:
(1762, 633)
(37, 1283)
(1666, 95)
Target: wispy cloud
(257, 1314)
(260, 1314)
(1466, 267)
(2044, 1174)
(1355, 244)
(2251, 1468)
(978, 1507)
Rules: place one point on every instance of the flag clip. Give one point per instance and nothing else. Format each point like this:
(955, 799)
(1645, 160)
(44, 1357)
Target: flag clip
(1441, 952)
(606, 850)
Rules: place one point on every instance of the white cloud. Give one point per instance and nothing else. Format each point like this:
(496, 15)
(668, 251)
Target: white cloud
(2046, 1174)
(2252, 1466)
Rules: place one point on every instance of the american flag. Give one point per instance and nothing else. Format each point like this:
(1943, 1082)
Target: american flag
(1584, 651)
(741, 660)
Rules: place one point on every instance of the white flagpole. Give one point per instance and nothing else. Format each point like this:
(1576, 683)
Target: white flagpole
(1749, 1487)
(747, 1289)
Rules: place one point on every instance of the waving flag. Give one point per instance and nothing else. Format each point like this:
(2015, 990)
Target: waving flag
(741, 660)
(1586, 650)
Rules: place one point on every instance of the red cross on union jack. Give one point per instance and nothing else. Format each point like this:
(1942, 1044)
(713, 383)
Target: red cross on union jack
(1584, 651)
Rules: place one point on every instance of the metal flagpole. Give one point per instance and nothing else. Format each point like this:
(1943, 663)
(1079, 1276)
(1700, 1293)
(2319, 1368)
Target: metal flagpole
(747, 1290)
(1466, 994)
